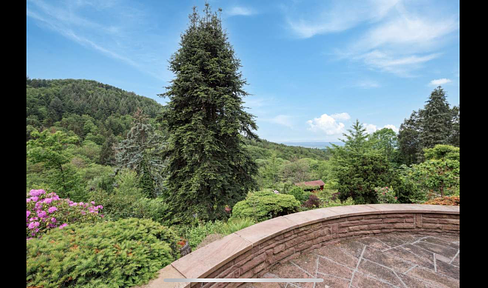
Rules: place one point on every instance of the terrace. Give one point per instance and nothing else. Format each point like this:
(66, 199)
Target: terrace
(381, 245)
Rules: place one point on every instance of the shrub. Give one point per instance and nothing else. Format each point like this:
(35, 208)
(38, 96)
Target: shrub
(196, 234)
(200, 233)
(312, 202)
(48, 211)
(154, 209)
(235, 224)
(336, 202)
(447, 200)
(386, 195)
(264, 205)
(299, 194)
(120, 253)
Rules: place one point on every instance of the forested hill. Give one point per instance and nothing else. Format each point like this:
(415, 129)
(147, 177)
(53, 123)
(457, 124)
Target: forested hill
(94, 111)
(67, 101)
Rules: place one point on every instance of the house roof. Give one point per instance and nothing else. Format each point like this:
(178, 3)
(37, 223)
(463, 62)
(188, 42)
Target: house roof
(311, 183)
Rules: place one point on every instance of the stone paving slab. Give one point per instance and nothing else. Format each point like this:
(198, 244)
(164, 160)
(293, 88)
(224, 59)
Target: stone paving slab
(388, 260)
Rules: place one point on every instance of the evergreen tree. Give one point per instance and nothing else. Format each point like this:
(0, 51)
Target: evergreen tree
(409, 139)
(436, 120)
(208, 166)
(356, 141)
(358, 167)
(141, 152)
(455, 133)
(435, 124)
(107, 153)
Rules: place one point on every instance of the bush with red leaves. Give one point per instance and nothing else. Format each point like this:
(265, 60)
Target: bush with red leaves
(446, 200)
(312, 202)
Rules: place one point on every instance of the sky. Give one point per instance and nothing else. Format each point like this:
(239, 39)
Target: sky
(312, 67)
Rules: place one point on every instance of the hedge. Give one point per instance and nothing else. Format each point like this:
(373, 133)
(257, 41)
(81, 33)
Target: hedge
(121, 253)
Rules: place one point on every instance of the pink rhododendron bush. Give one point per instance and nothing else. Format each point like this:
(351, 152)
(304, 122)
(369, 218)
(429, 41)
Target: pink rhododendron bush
(46, 211)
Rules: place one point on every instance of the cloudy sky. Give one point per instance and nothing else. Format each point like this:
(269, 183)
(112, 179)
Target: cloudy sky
(312, 67)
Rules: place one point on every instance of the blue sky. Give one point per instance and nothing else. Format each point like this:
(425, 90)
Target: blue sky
(312, 67)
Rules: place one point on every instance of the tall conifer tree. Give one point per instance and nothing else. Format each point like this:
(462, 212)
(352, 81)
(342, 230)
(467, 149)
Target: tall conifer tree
(436, 120)
(208, 166)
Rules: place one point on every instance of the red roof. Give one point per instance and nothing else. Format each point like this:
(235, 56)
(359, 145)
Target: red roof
(311, 183)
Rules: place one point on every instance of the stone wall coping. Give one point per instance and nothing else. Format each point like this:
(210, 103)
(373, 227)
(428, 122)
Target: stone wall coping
(202, 262)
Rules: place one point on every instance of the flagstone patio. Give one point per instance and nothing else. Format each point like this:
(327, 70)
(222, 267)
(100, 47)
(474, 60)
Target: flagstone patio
(389, 260)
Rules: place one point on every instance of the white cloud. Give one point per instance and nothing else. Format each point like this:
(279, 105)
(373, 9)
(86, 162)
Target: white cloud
(392, 127)
(438, 82)
(340, 16)
(240, 11)
(407, 31)
(328, 124)
(396, 36)
(401, 66)
(371, 128)
(341, 116)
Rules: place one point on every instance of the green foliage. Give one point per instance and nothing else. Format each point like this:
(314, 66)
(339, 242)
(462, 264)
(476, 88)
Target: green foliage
(435, 124)
(442, 152)
(141, 152)
(197, 233)
(118, 204)
(263, 205)
(337, 202)
(123, 253)
(235, 224)
(154, 209)
(299, 194)
(437, 177)
(83, 106)
(263, 149)
(386, 195)
(127, 200)
(385, 140)
(359, 168)
(208, 165)
(50, 149)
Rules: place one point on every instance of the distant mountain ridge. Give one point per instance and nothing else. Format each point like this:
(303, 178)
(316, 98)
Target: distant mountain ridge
(70, 103)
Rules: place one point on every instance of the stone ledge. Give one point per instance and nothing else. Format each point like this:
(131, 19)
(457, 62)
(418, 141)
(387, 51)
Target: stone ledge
(250, 252)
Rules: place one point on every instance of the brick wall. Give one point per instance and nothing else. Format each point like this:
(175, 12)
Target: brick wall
(254, 250)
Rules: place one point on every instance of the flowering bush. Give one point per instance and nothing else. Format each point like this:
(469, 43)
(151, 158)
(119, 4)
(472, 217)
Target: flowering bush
(47, 211)
(386, 195)
(123, 253)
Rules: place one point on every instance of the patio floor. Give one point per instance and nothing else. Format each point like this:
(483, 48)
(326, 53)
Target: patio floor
(389, 260)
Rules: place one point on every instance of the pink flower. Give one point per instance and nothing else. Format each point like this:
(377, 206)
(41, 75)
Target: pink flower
(63, 225)
(53, 220)
(52, 209)
(37, 192)
(35, 198)
(41, 214)
(34, 225)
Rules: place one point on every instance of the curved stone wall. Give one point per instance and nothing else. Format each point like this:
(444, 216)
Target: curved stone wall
(250, 252)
